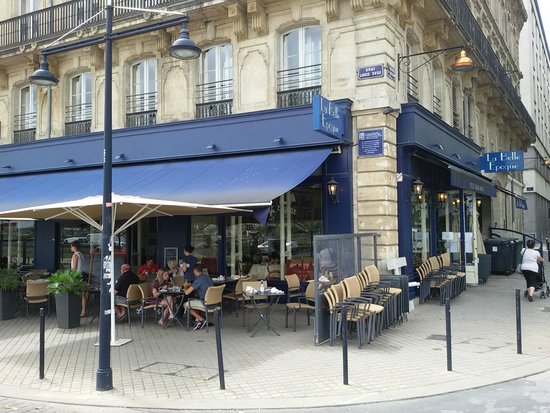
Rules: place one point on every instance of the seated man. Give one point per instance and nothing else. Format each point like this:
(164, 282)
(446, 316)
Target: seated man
(145, 270)
(127, 278)
(200, 285)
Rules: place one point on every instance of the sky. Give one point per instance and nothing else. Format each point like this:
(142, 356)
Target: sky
(544, 7)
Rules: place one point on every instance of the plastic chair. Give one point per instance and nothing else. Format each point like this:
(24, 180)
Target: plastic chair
(134, 298)
(212, 302)
(237, 294)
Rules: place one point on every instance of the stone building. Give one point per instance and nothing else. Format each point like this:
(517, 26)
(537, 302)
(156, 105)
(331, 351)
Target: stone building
(246, 104)
(535, 93)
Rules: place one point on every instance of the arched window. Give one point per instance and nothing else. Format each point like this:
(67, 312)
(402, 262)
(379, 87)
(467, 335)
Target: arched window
(79, 110)
(215, 90)
(300, 75)
(141, 103)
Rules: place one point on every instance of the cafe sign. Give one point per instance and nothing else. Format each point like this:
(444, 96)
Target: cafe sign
(502, 161)
(327, 117)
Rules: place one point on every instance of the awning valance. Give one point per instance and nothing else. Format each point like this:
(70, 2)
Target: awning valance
(470, 182)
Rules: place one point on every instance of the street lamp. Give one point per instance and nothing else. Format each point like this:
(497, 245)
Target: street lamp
(183, 48)
(461, 64)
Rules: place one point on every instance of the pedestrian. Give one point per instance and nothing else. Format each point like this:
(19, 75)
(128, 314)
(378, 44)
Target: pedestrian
(77, 264)
(530, 259)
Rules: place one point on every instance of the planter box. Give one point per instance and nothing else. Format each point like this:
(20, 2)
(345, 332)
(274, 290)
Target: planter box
(67, 308)
(8, 304)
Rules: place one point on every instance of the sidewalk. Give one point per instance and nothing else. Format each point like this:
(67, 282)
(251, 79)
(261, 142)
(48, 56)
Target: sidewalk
(176, 369)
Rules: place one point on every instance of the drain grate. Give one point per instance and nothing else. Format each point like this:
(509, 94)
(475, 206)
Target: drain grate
(439, 337)
(179, 370)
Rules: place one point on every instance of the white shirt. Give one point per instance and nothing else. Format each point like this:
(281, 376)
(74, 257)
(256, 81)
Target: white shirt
(529, 261)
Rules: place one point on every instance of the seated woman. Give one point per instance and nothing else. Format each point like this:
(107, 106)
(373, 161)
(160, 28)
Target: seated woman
(162, 282)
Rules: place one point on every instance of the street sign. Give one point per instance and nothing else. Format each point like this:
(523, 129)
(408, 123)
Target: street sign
(370, 142)
(370, 72)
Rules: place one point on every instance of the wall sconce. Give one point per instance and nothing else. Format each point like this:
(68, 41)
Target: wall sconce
(332, 188)
(456, 201)
(478, 202)
(546, 161)
(418, 185)
(211, 146)
(442, 197)
(69, 161)
(120, 157)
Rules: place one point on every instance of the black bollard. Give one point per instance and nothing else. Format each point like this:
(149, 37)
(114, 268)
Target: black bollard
(518, 321)
(219, 350)
(345, 343)
(448, 334)
(42, 334)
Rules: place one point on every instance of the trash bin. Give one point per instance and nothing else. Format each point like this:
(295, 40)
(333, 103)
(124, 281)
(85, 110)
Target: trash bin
(484, 267)
(503, 254)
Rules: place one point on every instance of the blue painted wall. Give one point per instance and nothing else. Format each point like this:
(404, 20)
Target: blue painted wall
(172, 232)
(46, 247)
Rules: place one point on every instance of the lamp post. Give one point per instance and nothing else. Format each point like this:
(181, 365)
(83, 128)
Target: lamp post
(184, 49)
(461, 64)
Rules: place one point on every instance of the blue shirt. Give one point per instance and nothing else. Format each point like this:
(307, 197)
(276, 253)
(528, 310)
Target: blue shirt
(201, 284)
(191, 261)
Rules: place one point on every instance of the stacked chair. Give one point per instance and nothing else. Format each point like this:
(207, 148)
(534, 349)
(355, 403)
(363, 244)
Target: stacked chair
(438, 276)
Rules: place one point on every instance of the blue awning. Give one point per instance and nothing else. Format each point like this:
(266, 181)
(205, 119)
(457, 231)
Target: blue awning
(470, 182)
(241, 180)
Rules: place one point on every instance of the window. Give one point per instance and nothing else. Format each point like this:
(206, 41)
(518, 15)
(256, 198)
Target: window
(216, 82)
(456, 108)
(437, 90)
(25, 120)
(301, 66)
(29, 22)
(79, 110)
(141, 105)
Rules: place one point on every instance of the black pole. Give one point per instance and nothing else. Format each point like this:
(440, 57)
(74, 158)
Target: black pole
(42, 347)
(219, 350)
(345, 343)
(547, 248)
(518, 321)
(104, 375)
(448, 334)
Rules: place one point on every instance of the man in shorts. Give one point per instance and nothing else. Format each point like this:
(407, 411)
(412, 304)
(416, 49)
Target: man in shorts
(126, 279)
(200, 285)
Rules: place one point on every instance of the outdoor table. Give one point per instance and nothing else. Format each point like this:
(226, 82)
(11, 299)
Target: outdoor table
(93, 293)
(260, 298)
(176, 304)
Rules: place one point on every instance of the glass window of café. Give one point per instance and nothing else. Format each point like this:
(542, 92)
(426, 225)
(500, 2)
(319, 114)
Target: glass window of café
(255, 248)
(421, 224)
(16, 243)
(448, 222)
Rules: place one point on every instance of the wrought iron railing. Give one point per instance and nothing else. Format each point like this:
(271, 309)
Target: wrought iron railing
(134, 120)
(51, 22)
(24, 135)
(436, 106)
(214, 109)
(467, 24)
(79, 127)
(297, 97)
(470, 131)
(412, 88)
(25, 121)
(456, 120)
(215, 99)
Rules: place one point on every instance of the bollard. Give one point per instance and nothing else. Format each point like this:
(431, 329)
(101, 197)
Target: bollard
(219, 350)
(448, 333)
(345, 343)
(42, 334)
(518, 321)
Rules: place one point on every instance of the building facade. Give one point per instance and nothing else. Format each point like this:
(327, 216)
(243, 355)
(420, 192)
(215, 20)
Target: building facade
(250, 96)
(535, 92)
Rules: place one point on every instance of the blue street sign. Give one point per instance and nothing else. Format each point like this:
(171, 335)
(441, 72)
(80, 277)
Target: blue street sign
(521, 203)
(370, 142)
(502, 161)
(391, 71)
(327, 117)
(370, 72)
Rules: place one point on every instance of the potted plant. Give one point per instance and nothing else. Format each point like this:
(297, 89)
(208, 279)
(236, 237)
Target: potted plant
(68, 286)
(10, 281)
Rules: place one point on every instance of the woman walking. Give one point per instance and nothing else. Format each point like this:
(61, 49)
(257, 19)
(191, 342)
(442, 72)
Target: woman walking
(530, 259)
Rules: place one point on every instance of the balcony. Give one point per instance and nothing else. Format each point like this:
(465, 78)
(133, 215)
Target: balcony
(25, 128)
(51, 22)
(214, 99)
(437, 106)
(296, 87)
(141, 110)
(78, 119)
(412, 88)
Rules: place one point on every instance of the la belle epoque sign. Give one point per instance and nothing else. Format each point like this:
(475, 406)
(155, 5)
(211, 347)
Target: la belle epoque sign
(502, 161)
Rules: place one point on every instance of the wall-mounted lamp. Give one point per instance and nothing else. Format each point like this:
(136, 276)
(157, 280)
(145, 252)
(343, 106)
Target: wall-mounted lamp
(418, 186)
(462, 63)
(332, 188)
(546, 161)
(456, 201)
(478, 202)
(120, 157)
(211, 146)
(442, 197)
(457, 156)
(278, 139)
(438, 146)
(70, 161)
(6, 166)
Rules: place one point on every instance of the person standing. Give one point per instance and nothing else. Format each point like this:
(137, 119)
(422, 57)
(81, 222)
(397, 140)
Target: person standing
(189, 261)
(530, 259)
(77, 264)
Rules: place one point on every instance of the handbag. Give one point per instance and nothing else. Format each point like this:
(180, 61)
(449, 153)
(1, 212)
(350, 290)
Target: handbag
(518, 268)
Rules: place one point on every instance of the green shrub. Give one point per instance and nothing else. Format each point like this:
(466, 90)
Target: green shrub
(66, 281)
(10, 279)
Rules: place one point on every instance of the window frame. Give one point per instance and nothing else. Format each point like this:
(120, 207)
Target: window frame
(305, 70)
(148, 103)
(221, 88)
(82, 98)
(25, 123)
